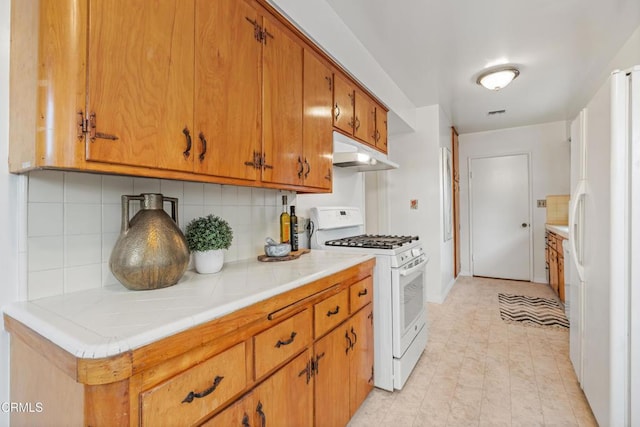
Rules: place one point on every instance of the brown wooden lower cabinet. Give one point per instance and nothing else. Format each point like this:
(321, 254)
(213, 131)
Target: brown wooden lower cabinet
(284, 399)
(260, 365)
(554, 258)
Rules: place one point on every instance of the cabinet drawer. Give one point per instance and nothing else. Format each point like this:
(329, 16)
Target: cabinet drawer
(280, 342)
(191, 395)
(330, 312)
(361, 294)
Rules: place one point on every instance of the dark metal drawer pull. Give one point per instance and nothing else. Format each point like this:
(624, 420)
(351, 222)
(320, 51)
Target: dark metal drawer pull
(331, 313)
(280, 343)
(193, 395)
(363, 293)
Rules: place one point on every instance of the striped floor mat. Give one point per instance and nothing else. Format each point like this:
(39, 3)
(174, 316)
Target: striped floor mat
(532, 311)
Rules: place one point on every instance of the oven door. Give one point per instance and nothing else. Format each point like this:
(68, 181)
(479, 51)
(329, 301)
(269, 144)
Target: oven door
(408, 298)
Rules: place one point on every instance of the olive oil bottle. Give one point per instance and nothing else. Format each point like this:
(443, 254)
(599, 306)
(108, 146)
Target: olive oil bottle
(285, 223)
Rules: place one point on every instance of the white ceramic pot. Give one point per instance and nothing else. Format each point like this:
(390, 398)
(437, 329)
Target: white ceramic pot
(208, 262)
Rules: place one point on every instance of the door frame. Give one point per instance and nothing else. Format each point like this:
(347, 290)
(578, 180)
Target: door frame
(470, 186)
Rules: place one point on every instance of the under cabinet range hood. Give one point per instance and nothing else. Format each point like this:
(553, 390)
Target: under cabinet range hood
(348, 153)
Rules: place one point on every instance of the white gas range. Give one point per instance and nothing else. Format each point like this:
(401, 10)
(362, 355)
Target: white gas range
(400, 315)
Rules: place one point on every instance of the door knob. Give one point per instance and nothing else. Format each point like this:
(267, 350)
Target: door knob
(524, 225)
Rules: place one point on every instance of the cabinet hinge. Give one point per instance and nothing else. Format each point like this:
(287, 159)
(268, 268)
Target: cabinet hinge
(257, 29)
(264, 34)
(86, 126)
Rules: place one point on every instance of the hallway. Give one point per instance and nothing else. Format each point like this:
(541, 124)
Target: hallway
(479, 371)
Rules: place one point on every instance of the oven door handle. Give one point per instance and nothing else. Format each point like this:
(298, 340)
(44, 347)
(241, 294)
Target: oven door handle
(410, 271)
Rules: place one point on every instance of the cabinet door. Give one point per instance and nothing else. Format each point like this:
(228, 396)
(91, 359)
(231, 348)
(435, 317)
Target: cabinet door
(364, 127)
(240, 414)
(361, 357)
(140, 82)
(317, 124)
(227, 89)
(381, 129)
(553, 269)
(332, 378)
(561, 276)
(286, 398)
(282, 137)
(343, 104)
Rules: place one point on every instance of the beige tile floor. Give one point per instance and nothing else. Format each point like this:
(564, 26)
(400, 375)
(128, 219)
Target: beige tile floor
(479, 371)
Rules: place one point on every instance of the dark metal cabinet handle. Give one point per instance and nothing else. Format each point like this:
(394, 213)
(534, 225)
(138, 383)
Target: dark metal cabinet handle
(193, 395)
(306, 174)
(336, 111)
(263, 417)
(349, 343)
(280, 343)
(363, 292)
(332, 312)
(355, 337)
(204, 146)
(300, 167)
(187, 135)
(245, 420)
(357, 123)
(370, 381)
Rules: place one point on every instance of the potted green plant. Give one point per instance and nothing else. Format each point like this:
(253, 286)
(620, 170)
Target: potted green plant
(206, 237)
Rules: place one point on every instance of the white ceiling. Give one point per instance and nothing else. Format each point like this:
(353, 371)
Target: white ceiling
(434, 50)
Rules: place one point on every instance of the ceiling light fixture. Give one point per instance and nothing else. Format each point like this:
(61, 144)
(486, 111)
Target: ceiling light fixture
(498, 78)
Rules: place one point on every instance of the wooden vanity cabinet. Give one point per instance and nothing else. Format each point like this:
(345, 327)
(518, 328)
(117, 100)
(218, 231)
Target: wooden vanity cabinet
(259, 364)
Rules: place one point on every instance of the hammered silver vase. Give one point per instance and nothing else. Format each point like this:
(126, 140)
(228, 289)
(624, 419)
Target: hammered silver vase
(151, 251)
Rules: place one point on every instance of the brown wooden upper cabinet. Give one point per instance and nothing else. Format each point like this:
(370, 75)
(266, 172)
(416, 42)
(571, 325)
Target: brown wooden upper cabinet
(228, 90)
(317, 126)
(357, 115)
(140, 85)
(233, 93)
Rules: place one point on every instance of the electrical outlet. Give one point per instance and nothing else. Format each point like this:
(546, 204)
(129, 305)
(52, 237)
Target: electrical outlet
(542, 203)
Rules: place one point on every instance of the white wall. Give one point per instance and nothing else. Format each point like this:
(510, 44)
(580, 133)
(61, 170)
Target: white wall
(548, 147)
(419, 177)
(8, 202)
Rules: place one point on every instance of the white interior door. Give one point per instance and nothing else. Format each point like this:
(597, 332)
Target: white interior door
(500, 217)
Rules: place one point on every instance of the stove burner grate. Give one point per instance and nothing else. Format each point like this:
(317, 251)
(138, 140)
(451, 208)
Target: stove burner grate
(372, 241)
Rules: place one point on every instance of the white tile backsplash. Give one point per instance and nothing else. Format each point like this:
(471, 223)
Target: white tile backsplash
(74, 221)
(82, 218)
(44, 219)
(82, 188)
(46, 186)
(82, 249)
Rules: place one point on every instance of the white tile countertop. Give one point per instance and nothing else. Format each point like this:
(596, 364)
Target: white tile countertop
(108, 321)
(561, 230)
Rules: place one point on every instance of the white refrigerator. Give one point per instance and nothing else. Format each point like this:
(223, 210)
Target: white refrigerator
(604, 235)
